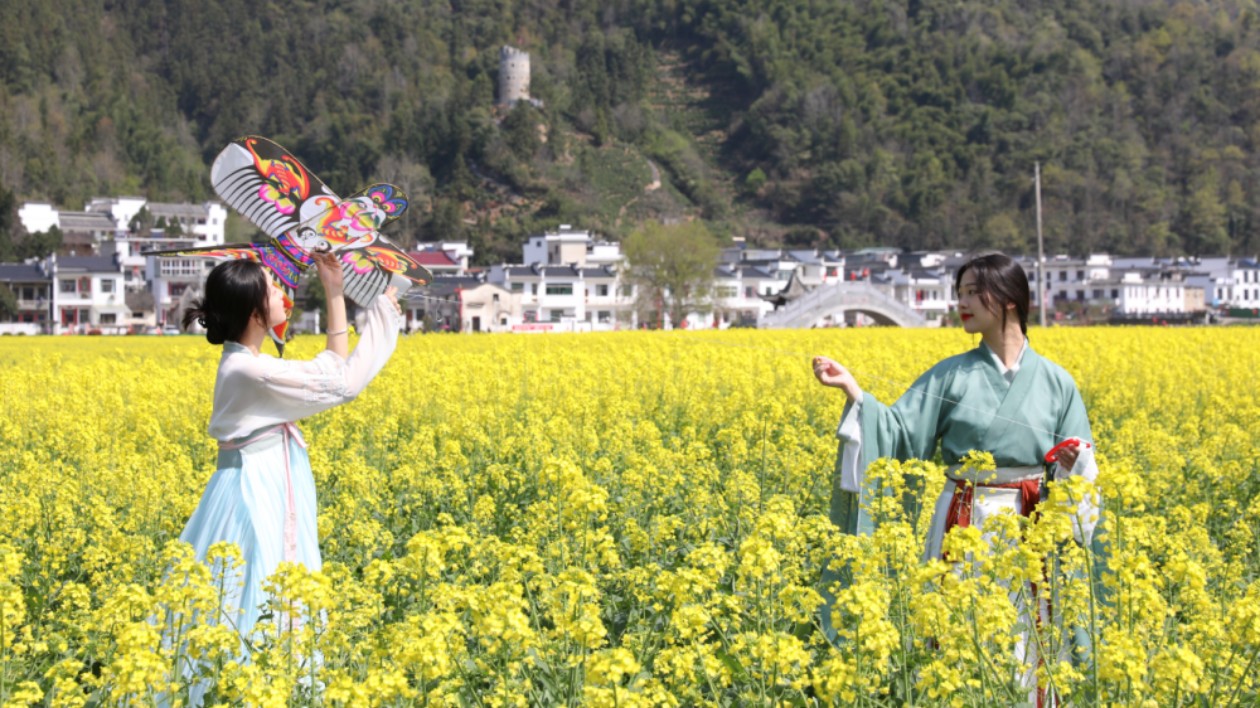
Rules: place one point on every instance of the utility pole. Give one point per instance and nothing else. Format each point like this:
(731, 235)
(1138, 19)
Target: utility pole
(1042, 291)
(54, 325)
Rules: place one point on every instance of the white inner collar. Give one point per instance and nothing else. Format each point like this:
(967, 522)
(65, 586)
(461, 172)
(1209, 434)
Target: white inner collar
(1009, 374)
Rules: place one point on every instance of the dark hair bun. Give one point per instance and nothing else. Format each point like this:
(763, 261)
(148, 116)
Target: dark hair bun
(214, 327)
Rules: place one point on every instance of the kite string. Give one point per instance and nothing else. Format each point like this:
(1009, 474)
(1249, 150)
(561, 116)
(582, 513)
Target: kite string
(1185, 452)
(869, 375)
(525, 372)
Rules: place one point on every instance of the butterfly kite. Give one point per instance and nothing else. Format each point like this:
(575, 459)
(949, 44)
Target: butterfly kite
(300, 214)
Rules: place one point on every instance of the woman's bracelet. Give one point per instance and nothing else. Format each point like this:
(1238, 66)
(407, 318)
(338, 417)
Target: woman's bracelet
(340, 331)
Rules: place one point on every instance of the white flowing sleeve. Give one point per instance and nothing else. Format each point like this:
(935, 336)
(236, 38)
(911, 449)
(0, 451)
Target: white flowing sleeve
(1087, 509)
(850, 433)
(377, 341)
(254, 392)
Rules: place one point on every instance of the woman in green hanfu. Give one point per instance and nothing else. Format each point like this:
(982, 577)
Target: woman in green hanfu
(1001, 397)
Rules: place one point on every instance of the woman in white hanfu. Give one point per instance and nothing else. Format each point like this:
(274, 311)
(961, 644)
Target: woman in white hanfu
(1001, 397)
(262, 497)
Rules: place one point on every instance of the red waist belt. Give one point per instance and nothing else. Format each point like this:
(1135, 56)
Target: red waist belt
(960, 515)
(960, 506)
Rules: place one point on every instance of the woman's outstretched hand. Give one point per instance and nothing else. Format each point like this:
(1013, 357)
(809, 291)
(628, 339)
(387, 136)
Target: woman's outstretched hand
(831, 373)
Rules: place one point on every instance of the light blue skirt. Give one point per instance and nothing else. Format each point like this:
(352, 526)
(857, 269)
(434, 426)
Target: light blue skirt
(262, 481)
(246, 502)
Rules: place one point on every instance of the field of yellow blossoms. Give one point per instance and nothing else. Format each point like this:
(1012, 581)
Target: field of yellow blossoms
(621, 520)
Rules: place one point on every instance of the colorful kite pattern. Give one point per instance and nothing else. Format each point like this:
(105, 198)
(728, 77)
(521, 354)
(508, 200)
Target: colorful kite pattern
(300, 214)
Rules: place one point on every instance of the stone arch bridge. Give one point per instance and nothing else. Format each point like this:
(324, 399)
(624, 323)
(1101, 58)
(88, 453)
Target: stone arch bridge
(835, 300)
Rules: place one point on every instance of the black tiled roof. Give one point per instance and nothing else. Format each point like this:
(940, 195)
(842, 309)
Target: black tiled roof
(91, 264)
(21, 273)
(85, 221)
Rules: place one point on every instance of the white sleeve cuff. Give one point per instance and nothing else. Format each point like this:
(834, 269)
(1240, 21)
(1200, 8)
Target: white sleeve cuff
(850, 433)
(1088, 508)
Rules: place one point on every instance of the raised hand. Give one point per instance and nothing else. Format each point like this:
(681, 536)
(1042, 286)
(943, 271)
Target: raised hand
(328, 267)
(830, 373)
(391, 292)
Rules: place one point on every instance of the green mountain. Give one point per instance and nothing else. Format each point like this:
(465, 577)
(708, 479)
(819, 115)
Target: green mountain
(805, 122)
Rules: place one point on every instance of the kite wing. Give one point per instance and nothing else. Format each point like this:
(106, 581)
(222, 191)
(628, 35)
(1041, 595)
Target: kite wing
(369, 269)
(267, 185)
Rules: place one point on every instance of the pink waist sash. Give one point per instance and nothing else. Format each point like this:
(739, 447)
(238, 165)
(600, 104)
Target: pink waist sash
(287, 432)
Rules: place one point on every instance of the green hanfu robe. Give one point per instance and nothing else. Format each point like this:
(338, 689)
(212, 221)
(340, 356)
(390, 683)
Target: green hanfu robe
(966, 402)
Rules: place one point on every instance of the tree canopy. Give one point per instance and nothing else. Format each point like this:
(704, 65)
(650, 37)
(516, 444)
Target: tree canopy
(671, 268)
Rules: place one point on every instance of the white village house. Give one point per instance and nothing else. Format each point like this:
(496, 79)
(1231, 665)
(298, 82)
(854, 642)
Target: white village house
(89, 295)
(31, 286)
(570, 281)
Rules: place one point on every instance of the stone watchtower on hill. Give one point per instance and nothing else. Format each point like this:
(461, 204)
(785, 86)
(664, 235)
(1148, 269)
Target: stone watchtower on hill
(513, 76)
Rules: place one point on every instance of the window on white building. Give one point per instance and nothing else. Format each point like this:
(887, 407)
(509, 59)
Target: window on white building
(726, 291)
(181, 267)
(67, 287)
(518, 287)
(554, 315)
(750, 292)
(109, 318)
(601, 290)
(107, 285)
(559, 288)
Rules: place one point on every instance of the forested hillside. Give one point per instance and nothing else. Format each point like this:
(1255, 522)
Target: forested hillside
(913, 124)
